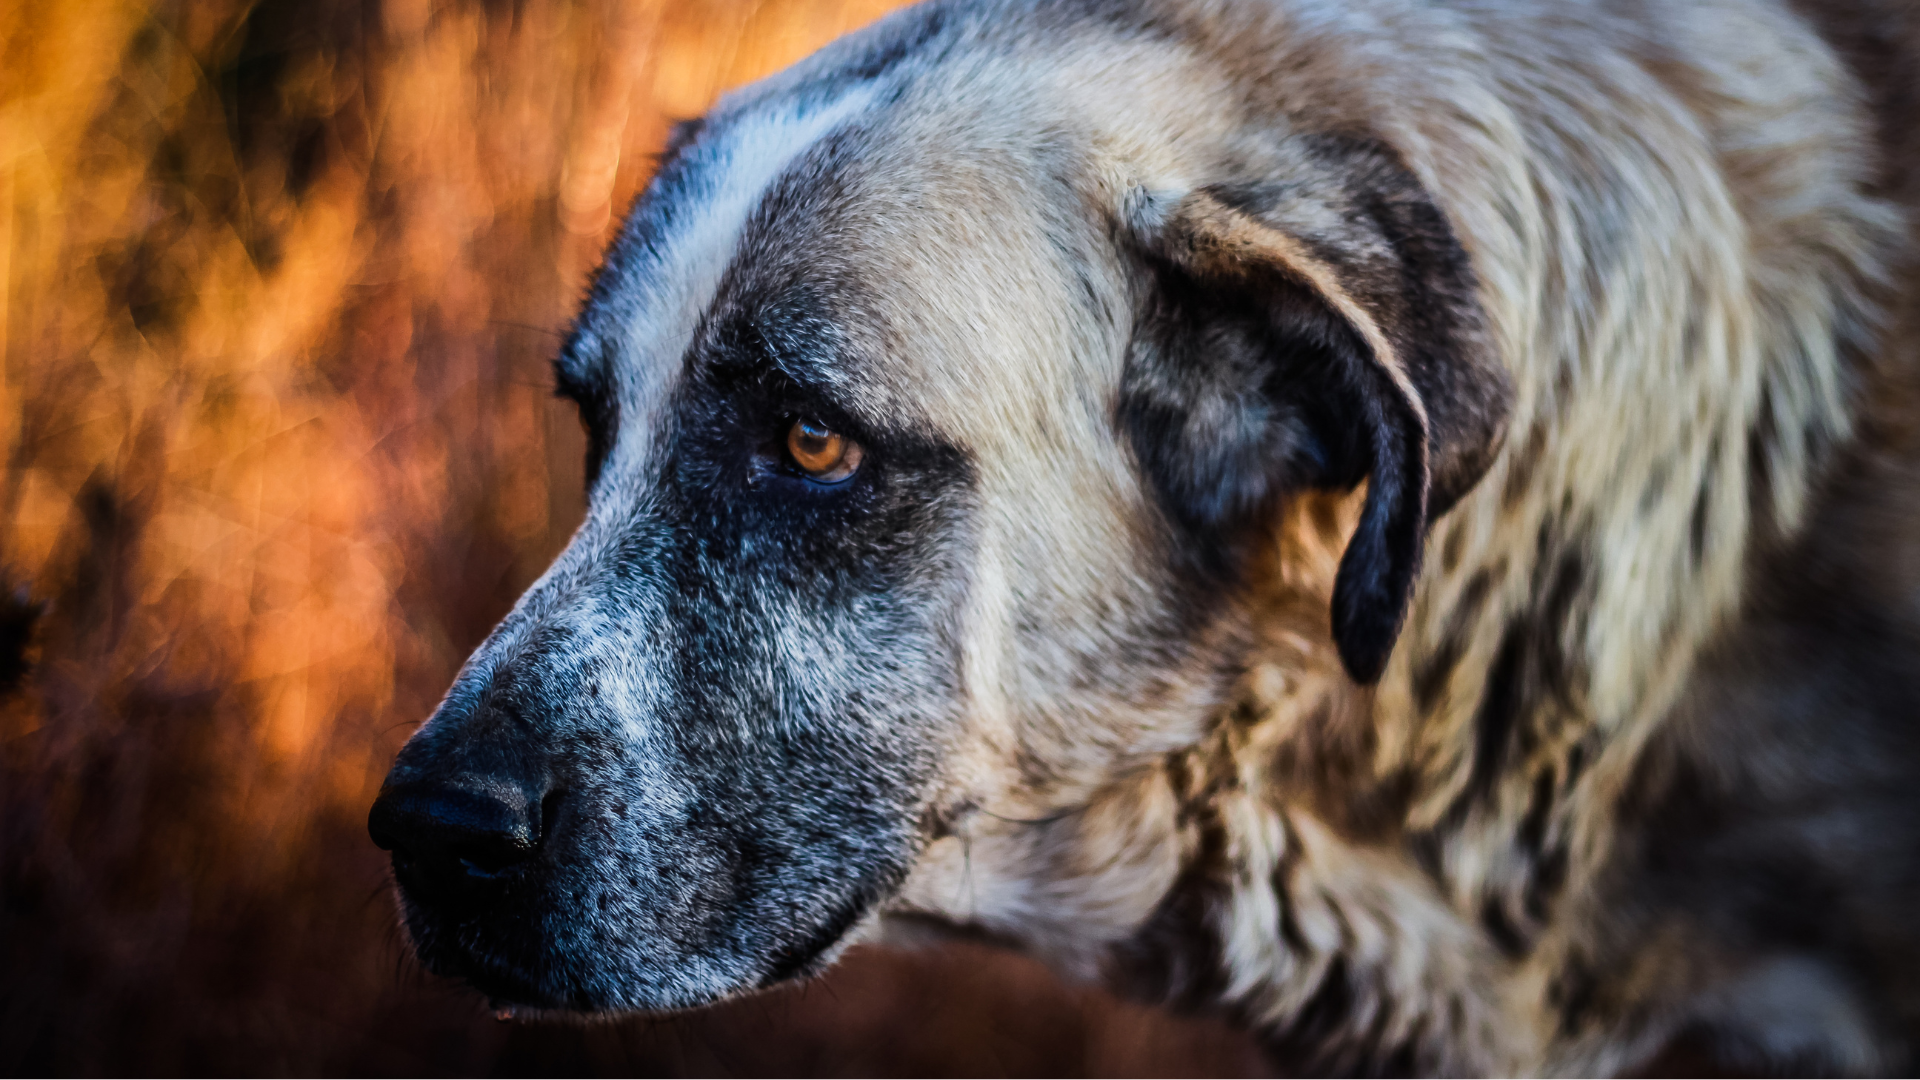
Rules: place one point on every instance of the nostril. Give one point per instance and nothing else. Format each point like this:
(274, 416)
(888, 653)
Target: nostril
(450, 830)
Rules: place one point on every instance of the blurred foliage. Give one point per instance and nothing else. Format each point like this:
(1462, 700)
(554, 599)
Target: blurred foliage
(278, 288)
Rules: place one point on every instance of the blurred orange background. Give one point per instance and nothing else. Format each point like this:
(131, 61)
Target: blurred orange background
(279, 285)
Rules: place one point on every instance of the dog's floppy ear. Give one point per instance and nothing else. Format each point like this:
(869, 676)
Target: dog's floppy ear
(1314, 333)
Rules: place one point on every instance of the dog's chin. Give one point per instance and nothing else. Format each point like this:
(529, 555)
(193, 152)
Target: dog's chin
(538, 979)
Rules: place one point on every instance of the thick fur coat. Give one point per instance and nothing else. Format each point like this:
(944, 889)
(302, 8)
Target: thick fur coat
(1397, 521)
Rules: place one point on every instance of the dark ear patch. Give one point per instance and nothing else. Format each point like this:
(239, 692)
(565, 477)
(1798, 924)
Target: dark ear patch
(1235, 394)
(1382, 562)
(1420, 288)
(1268, 359)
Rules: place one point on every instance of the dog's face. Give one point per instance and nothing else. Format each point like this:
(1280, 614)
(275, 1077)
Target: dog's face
(928, 445)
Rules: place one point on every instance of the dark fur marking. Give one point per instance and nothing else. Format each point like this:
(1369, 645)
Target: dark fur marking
(1572, 992)
(1176, 957)
(1314, 1031)
(1698, 517)
(1425, 847)
(1548, 878)
(1532, 832)
(1548, 857)
(1520, 465)
(1530, 667)
(1432, 672)
(1697, 526)
(1575, 764)
(1761, 438)
(1319, 1041)
(1455, 550)
(1505, 936)
(1500, 707)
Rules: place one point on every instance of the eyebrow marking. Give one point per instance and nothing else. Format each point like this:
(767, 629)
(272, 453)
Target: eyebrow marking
(672, 257)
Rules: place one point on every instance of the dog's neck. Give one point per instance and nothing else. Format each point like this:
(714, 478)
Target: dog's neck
(1290, 818)
(1268, 868)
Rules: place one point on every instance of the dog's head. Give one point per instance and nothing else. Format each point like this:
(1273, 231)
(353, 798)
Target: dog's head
(937, 402)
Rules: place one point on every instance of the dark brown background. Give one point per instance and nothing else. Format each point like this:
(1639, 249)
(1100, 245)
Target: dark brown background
(278, 288)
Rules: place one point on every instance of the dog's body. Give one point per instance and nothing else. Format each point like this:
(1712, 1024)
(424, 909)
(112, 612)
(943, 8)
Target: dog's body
(1590, 718)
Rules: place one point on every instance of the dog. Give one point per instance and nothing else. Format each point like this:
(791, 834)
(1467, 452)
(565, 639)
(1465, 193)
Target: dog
(1390, 521)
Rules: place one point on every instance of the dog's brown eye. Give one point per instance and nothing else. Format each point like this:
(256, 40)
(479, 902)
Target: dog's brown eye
(822, 453)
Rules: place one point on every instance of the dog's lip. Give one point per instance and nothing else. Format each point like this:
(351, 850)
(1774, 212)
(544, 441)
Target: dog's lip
(507, 983)
(505, 986)
(791, 963)
(510, 984)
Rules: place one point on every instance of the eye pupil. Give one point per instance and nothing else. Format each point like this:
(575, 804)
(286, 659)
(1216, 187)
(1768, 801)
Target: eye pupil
(821, 452)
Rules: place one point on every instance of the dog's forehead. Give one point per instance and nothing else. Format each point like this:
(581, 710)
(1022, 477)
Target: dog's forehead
(921, 270)
(662, 275)
(942, 261)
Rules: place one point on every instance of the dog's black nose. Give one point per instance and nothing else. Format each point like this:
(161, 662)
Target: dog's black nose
(444, 836)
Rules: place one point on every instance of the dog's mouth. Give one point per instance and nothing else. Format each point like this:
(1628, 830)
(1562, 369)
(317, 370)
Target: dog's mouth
(503, 953)
(812, 954)
(506, 986)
